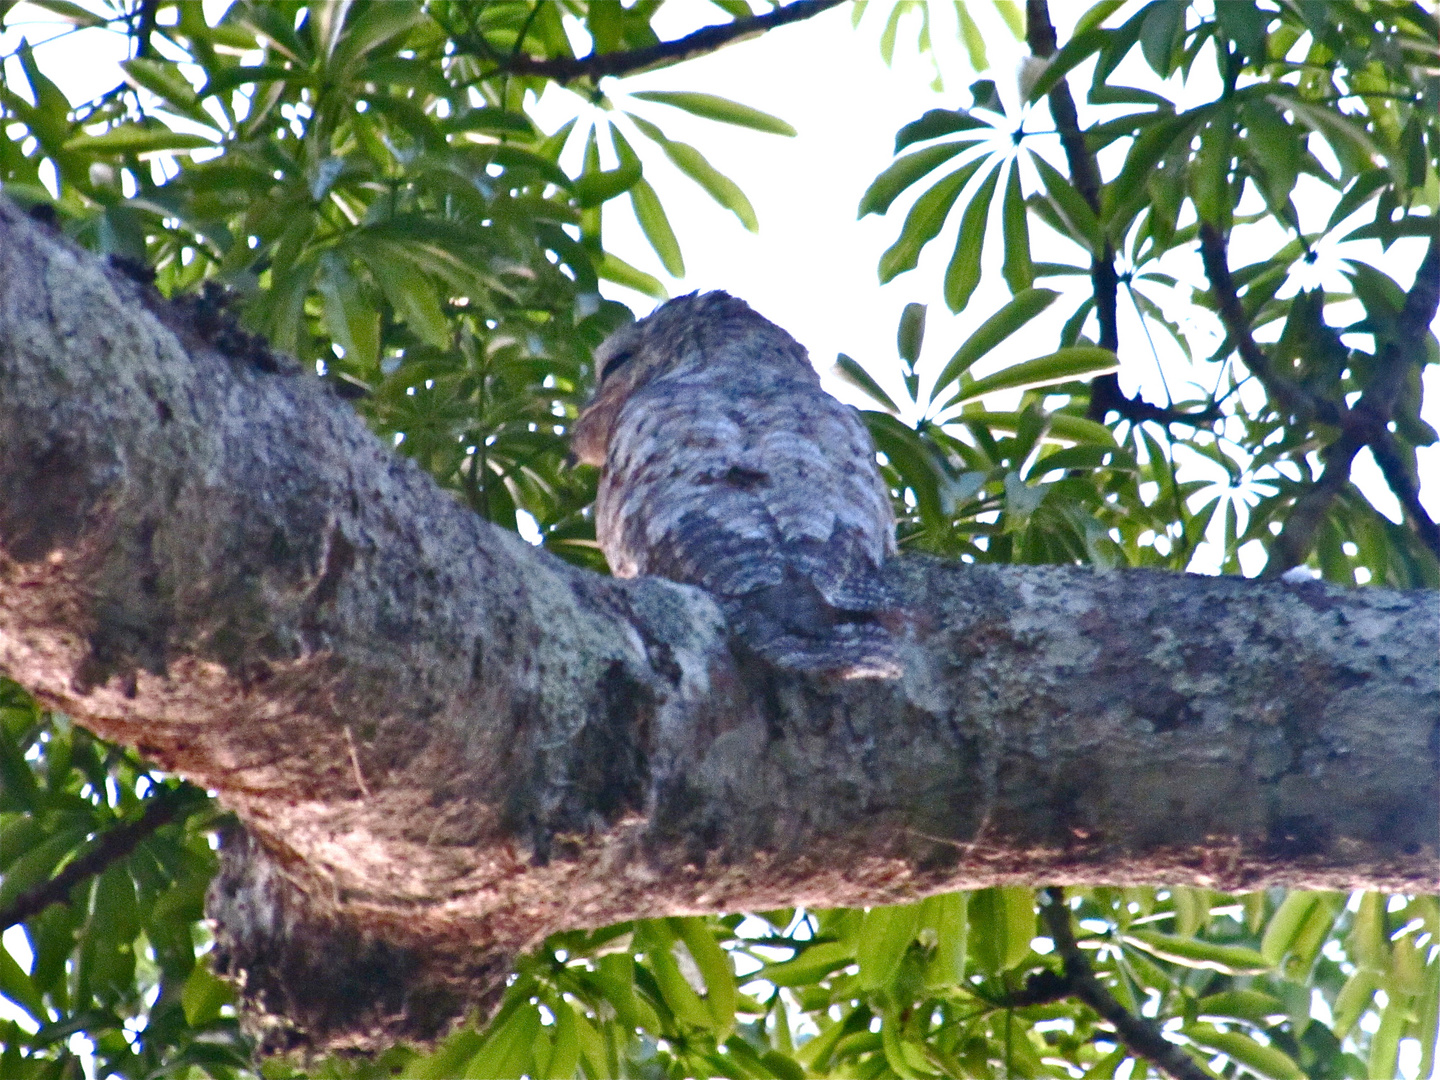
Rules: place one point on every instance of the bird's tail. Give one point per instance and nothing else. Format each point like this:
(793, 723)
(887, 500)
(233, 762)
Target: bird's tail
(794, 628)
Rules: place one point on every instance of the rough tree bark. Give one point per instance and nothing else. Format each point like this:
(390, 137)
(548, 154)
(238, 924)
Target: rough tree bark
(444, 743)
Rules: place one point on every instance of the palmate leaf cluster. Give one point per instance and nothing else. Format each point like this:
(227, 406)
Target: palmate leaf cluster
(1333, 105)
(367, 181)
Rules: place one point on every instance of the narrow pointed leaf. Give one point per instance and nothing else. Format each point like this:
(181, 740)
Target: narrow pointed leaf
(1019, 311)
(1019, 271)
(693, 164)
(1081, 223)
(884, 938)
(613, 268)
(937, 122)
(924, 221)
(722, 109)
(1188, 952)
(884, 189)
(656, 227)
(853, 373)
(1076, 362)
(963, 273)
(1263, 1061)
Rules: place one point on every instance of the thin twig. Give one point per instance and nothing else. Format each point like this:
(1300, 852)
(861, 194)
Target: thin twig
(1367, 424)
(355, 763)
(1139, 1035)
(1287, 395)
(108, 848)
(564, 69)
(1401, 481)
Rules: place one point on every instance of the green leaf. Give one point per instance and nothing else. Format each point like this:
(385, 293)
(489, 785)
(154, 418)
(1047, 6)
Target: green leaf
(1249, 1005)
(203, 994)
(509, 1048)
(1160, 34)
(963, 273)
(164, 79)
(1263, 1061)
(410, 292)
(1286, 924)
(693, 164)
(858, 376)
(947, 916)
(715, 965)
(376, 25)
(351, 321)
(924, 221)
(1019, 271)
(1367, 945)
(937, 122)
(1075, 52)
(886, 187)
(1385, 1043)
(810, 965)
(885, 936)
(1078, 361)
(564, 1056)
(1079, 219)
(971, 35)
(1209, 172)
(16, 985)
(1332, 125)
(1188, 952)
(71, 13)
(656, 227)
(1353, 999)
(678, 995)
(613, 268)
(594, 188)
(1244, 24)
(712, 107)
(1062, 426)
(1019, 311)
(910, 334)
(137, 139)
(1002, 925)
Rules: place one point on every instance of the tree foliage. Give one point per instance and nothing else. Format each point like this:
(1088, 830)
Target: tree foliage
(363, 185)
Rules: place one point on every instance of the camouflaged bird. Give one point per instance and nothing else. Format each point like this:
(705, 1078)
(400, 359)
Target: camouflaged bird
(726, 466)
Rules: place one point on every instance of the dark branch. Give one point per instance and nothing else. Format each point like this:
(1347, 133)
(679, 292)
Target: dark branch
(1106, 396)
(1401, 481)
(1289, 397)
(1367, 424)
(148, 10)
(1139, 1035)
(1292, 546)
(109, 848)
(1105, 392)
(564, 69)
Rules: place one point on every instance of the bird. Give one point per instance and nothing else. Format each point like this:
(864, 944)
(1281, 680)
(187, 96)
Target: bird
(724, 464)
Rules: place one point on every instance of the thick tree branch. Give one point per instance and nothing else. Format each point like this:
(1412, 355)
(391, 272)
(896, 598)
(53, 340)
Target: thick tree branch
(445, 744)
(565, 69)
(1139, 1035)
(108, 848)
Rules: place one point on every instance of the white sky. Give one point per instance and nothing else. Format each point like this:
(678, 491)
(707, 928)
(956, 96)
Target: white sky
(812, 266)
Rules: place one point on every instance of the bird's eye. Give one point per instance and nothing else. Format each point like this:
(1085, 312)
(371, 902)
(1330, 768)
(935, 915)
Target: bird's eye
(615, 363)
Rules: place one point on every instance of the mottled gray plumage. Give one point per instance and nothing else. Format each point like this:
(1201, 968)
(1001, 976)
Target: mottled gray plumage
(728, 467)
